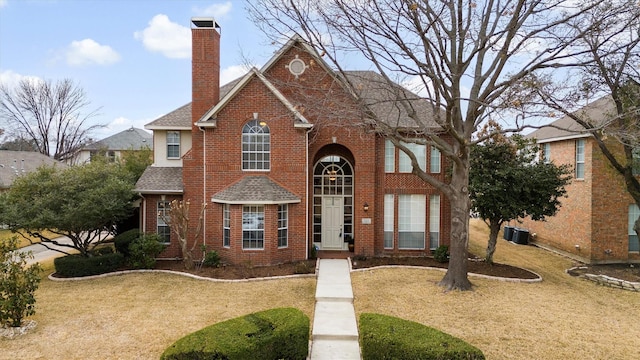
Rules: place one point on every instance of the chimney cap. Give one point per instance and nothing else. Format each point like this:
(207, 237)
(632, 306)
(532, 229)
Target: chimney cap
(204, 22)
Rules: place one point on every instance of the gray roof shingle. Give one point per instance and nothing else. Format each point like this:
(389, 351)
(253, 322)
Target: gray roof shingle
(160, 180)
(132, 138)
(16, 163)
(255, 190)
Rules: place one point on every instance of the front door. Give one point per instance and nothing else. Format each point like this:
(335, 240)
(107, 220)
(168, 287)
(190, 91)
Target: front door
(332, 223)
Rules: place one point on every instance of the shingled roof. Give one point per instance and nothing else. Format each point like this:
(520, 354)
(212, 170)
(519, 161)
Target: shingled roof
(16, 163)
(132, 138)
(160, 180)
(255, 190)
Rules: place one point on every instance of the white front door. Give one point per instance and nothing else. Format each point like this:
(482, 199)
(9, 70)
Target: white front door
(332, 223)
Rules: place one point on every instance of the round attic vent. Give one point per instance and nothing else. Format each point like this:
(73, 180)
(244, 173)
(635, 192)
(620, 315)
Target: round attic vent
(297, 66)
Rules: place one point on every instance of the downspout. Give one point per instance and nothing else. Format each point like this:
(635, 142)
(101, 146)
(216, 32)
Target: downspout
(306, 226)
(144, 213)
(204, 185)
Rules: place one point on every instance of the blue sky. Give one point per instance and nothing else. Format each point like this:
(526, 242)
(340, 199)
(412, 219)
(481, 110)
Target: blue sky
(132, 58)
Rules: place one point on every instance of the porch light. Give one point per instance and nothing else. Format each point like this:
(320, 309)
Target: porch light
(365, 207)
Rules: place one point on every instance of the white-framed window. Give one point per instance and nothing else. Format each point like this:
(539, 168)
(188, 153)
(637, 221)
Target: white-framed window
(411, 221)
(434, 165)
(579, 171)
(256, 146)
(283, 225)
(389, 157)
(635, 166)
(173, 144)
(163, 229)
(389, 219)
(434, 221)
(404, 161)
(226, 225)
(634, 213)
(253, 227)
(546, 153)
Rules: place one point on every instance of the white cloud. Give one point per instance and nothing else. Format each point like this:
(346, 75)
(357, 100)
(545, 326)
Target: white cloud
(89, 52)
(11, 78)
(168, 38)
(218, 11)
(232, 72)
(3, 3)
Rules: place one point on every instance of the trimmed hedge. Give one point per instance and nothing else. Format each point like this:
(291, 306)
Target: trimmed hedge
(387, 337)
(78, 265)
(122, 241)
(281, 333)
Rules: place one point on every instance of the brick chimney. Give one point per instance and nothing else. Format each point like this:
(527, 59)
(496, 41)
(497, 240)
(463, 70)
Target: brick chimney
(205, 65)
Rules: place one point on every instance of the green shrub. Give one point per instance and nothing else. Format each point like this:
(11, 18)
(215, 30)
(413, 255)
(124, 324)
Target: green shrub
(387, 337)
(18, 283)
(78, 265)
(103, 250)
(211, 259)
(144, 250)
(122, 241)
(441, 254)
(281, 333)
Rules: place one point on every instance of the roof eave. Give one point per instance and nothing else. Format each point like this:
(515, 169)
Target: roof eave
(158, 192)
(254, 202)
(166, 127)
(562, 138)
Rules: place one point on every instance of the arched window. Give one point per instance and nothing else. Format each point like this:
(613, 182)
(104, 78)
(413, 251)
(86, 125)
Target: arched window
(256, 146)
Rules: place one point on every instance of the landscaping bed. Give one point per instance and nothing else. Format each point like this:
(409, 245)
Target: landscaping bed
(627, 272)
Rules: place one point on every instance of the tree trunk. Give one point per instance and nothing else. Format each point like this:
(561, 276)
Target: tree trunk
(494, 229)
(456, 276)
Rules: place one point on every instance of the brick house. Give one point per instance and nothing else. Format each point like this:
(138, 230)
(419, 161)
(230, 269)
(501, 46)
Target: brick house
(595, 222)
(285, 161)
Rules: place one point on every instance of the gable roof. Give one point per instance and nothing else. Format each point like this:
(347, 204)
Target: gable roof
(132, 138)
(16, 163)
(255, 189)
(160, 180)
(566, 128)
(209, 118)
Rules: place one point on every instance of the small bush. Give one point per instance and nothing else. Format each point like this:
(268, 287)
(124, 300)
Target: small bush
(268, 335)
(304, 267)
(104, 250)
(18, 284)
(78, 265)
(211, 259)
(144, 250)
(441, 254)
(387, 337)
(122, 241)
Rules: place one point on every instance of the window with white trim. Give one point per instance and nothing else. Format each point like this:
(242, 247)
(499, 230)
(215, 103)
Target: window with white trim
(634, 213)
(389, 157)
(173, 144)
(546, 153)
(635, 165)
(163, 229)
(226, 225)
(283, 225)
(434, 165)
(411, 221)
(579, 171)
(253, 227)
(404, 161)
(256, 146)
(389, 218)
(434, 221)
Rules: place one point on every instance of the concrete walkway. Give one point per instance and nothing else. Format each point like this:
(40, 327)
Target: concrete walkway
(41, 253)
(335, 331)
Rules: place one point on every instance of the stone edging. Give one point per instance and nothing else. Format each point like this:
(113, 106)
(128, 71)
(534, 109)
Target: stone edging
(14, 332)
(514, 280)
(605, 280)
(120, 273)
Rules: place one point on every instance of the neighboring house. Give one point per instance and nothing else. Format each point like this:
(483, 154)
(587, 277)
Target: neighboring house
(17, 163)
(277, 175)
(595, 222)
(114, 145)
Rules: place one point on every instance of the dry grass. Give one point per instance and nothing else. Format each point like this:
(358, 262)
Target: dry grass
(22, 242)
(560, 318)
(138, 316)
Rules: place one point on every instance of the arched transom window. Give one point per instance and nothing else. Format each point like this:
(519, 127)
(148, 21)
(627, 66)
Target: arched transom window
(256, 146)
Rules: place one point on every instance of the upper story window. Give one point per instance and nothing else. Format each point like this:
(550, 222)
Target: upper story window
(434, 165)
(389, 157)
(404, 162)
(256, 146)
(546, 153)
(635, 166)
(579, 159)
(173, 144)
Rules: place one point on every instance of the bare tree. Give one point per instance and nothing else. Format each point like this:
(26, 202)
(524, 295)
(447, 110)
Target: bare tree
(179, 223)
(470, 60)
(50, 115)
